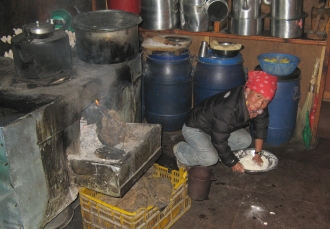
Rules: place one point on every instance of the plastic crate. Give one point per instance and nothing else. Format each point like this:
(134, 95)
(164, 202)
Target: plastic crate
(97, 214)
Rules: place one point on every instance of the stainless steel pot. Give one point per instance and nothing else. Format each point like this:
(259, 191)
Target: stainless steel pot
(107, 36)
(286, 9)
(160, 14)
(246, 8)
(217, 10)
(193, 16)
(246, 26)
(287, 28)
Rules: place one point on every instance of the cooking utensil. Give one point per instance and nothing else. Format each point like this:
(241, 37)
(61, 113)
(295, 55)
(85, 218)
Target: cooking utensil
(246, 26)
(246, 8)
(107, 36)
(272, 160)
(287, 28)
(226, 53)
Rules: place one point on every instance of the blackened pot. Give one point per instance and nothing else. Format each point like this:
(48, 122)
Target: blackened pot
(107, 36)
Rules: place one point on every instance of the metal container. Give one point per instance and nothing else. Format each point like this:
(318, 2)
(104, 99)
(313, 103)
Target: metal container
(246, 26)
(160, 14)
(246, 8)
(107, 36)
(41, 53)
(286, 9)
(287, 28)
(217, 10)
(199, 182)
(193, 16)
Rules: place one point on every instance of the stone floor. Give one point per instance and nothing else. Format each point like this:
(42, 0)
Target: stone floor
(294, 195)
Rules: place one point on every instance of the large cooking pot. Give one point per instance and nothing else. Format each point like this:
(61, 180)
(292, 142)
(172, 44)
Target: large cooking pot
(152, 9)
(107, 36)
(285, 9)
(246, 8)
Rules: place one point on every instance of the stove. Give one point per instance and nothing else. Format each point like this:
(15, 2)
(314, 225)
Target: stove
(40, 139)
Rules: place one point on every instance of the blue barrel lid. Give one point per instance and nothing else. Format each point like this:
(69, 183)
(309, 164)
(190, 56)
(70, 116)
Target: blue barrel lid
(213, 59)
(160, 55)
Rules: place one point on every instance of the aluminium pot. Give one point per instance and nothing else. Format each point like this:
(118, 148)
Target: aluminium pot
(283, 28)
(151, 11)
(286, 9)
(107, 36)
(246, 26)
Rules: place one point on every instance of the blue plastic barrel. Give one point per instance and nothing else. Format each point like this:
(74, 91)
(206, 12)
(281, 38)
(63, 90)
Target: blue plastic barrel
(168, 89)
(214, 74)
(283, 109)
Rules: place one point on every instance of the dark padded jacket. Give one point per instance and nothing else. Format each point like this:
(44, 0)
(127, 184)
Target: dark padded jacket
(223, 113)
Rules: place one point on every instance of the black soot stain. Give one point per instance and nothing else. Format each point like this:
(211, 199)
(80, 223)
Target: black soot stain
(222, 183)
(274, 185)
(253, 217)
(202, 216)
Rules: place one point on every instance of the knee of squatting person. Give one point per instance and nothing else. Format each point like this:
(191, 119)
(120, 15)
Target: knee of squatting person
(215, 128)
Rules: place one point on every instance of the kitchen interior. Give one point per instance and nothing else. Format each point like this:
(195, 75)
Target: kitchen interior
(93, 95)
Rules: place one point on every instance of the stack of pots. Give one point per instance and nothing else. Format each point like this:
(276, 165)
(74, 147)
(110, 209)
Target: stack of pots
(287, 18)
(246, 18)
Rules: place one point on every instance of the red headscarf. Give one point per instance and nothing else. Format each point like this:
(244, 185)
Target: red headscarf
(262, 83)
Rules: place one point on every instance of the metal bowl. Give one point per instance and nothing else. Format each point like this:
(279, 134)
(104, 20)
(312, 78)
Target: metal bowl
(226, 53)
(272, 160)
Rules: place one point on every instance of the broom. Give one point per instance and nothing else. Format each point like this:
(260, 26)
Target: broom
(301, 113)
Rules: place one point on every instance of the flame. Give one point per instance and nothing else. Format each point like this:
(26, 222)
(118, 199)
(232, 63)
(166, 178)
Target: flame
(97, 102)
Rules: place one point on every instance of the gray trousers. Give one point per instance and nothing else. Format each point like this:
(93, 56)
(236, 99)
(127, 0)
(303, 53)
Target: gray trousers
(199, 150)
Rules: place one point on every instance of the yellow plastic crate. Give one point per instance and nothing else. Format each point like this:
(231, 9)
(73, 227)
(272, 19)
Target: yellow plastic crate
(97, 214)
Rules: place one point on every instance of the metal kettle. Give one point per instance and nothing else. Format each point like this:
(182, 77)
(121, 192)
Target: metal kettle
(42, 52)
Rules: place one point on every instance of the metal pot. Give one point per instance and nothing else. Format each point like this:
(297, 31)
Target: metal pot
(152, 9)
(287, 28)
(286, 9)
(107, 36)
(193, 16)
(246, 8)
(216, 9)
(246, 26)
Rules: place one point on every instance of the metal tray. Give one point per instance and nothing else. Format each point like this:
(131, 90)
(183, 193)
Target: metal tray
(273, 161)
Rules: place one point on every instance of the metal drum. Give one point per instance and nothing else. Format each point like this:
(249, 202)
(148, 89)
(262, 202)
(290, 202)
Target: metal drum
(213, 75)
(167, 89)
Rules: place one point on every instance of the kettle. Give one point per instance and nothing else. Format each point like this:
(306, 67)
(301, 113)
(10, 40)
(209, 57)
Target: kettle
(42, 52)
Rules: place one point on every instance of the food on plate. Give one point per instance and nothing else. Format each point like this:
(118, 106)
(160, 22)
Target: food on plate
(225, 46)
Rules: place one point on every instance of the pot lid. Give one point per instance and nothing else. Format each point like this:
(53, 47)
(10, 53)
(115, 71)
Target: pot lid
(40, 27)
(106, 20)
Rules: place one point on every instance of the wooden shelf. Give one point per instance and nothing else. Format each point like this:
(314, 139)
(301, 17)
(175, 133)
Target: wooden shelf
(224, 34)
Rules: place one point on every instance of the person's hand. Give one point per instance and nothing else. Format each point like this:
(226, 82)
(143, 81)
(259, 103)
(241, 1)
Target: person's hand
(238, 168)
(257, 159)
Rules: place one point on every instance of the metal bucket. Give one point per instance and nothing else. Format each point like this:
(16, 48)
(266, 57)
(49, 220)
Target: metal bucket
(213, 75)
(199, 182)
(160, 14)
(167, 89)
